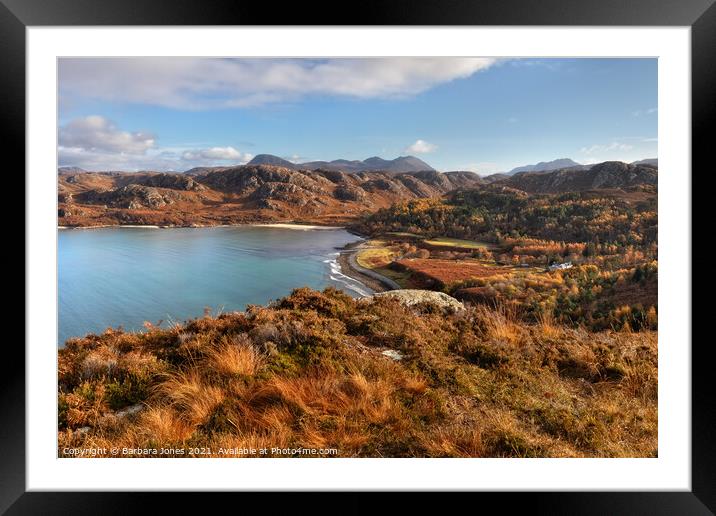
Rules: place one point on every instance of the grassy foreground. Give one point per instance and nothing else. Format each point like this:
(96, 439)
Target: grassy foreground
(309, 372)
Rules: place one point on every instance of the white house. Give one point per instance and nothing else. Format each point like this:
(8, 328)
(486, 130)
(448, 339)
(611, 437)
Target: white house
(560, 266)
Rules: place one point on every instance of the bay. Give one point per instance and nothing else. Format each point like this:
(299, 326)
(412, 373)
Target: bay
(122, 277)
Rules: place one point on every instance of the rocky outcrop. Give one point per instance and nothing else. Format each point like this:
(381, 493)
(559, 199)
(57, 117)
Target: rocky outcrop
(418, 187)
(335, 176)
(242, 180)
(172, 181)
(132, 196)
(346, 192)
(242, 193)
(410, 297)
(287, 192)
(433, 178)
(385, 185)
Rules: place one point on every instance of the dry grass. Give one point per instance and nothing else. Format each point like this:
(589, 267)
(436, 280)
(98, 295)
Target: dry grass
(442, 273)
(375, 257)
(192, 398)
(308, 372)
(456, 243)
(236, 356)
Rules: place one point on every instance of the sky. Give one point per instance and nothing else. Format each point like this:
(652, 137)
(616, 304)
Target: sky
(486, 115)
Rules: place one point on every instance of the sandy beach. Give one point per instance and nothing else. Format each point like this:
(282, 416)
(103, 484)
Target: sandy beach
(304, 227)
(100, 226)
(377, 282)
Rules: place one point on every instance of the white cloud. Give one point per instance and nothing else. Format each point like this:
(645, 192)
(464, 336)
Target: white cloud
(421, 147)
(217, 153)
(614, 146)
(96, 133)
(157, 159)
(95, 143)
(116, 161)
(295, 158)
(209, 83)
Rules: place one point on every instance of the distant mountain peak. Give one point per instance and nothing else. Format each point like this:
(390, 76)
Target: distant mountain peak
(648, 161)
(544, 166)
(270, 159)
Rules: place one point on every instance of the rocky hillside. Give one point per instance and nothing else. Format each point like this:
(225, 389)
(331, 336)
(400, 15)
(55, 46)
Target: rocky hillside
(610, 174)
(248, 193)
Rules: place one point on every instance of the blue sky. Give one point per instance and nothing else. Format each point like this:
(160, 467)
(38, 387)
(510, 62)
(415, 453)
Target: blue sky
(479, 114)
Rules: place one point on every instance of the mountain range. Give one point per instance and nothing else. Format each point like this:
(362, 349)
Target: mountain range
(606, 175)
(245, 193)
(400, 164)
(270, 193)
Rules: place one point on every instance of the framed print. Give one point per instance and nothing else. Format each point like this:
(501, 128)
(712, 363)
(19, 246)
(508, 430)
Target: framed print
(423, 257)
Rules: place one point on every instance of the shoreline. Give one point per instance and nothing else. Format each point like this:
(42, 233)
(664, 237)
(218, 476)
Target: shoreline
(279, 225)
(345, 259)
(287, 225)
(349, 267)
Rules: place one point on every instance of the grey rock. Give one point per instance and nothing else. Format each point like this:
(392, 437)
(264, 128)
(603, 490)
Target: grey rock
(410, 297)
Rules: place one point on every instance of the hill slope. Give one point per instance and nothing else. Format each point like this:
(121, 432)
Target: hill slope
(314, 370)
(610, 174)
(248, 193)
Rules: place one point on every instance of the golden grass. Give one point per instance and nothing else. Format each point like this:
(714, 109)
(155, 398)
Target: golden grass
(164, 425)
(375, 257)
(190, 396)
(308, 372)
(456, 242)
(236, 357)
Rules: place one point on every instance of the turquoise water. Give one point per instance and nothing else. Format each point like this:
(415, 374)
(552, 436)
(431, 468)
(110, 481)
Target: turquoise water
(125, 276)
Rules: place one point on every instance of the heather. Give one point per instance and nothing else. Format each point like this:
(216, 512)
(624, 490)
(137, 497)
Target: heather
(370, 378)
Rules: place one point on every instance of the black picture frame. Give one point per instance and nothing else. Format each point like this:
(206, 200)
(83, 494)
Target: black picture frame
(700, 15)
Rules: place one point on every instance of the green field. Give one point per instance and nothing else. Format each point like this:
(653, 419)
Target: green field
(404, 234)
(456, 242)
(374, 257)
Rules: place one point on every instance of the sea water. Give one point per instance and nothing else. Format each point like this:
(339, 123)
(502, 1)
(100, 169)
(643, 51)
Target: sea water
(122, 277)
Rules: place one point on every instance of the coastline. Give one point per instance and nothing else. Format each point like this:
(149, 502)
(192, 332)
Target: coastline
(346, 258)
(100, 226)
(280, 225)
(287, 225)
(371, 279)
